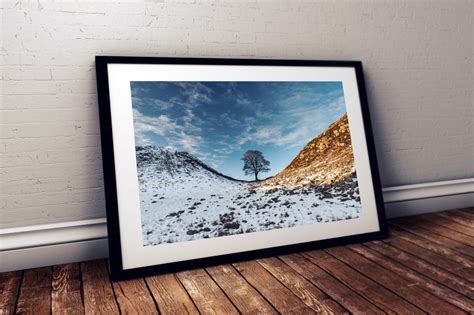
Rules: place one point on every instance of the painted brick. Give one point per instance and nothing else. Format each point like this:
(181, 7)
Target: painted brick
(417, 58)
(26, 73)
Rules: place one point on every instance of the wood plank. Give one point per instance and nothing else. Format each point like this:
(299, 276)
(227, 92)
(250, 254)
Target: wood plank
(433, 254)
(9, 288)
(207, 296)
(345, 296)
(441, 261)
(439, 229)
(458, 217)
(240, 292)
(371, 290)
(415, 278)
(415, 295)
(66, 290)
(35, 292)
(446, 278)
(461, 258)
(99, 297)
(301, 287)
(435, 238)
(448, 223)
(170, 295)
(133, 297)
(468, 212)
(279, 296)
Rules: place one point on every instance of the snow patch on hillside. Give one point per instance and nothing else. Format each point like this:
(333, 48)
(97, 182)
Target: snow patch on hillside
(182, 199)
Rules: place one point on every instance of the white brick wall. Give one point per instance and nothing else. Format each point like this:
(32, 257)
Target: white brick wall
(417, 55)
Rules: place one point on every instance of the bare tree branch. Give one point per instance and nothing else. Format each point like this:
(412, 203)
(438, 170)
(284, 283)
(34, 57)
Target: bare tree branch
(255, 163)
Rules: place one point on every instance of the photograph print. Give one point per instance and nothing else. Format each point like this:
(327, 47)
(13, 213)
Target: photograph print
(225, 158)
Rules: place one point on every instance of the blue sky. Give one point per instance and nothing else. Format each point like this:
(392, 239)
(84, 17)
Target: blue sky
(219, 121)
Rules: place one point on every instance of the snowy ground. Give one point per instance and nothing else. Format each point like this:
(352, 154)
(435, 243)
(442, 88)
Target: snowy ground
(196, 205)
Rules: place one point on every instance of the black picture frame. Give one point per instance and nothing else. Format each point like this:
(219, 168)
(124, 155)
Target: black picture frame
(110, 184)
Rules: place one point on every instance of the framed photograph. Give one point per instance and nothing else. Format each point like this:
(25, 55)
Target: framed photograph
(209, 161)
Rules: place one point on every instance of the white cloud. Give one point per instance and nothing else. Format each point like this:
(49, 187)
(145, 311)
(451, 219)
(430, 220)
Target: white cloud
(230, 121)
(224, 150)
(180, 137)
(187, 142)
(298, 126)
(145, 124)
(195, 93)
(142, 139)
(136, 90)
(276, 135)
(243, 101)
(266, 133)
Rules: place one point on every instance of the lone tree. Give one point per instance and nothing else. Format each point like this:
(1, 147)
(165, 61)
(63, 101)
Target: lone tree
(255, 163)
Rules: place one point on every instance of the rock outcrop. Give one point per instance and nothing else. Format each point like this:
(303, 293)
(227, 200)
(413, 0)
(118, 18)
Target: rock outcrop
(325, 160)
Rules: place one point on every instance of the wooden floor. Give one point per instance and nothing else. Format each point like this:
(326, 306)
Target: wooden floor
(426, 266)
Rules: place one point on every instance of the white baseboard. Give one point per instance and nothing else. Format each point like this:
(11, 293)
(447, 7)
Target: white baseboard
(59, 243)
(407, 200)
(428, 190)
(40, 256)
(427, 205)
(52, 234)
(53, 244)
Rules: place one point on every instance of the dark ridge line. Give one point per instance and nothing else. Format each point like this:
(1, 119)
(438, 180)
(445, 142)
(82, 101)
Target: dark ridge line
(207, 167)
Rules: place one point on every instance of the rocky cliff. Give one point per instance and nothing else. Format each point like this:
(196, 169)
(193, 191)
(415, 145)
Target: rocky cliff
(327, 159)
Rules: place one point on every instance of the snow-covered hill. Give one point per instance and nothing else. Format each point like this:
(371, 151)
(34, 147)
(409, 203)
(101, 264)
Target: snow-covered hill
(173, 167)
(184, 199)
